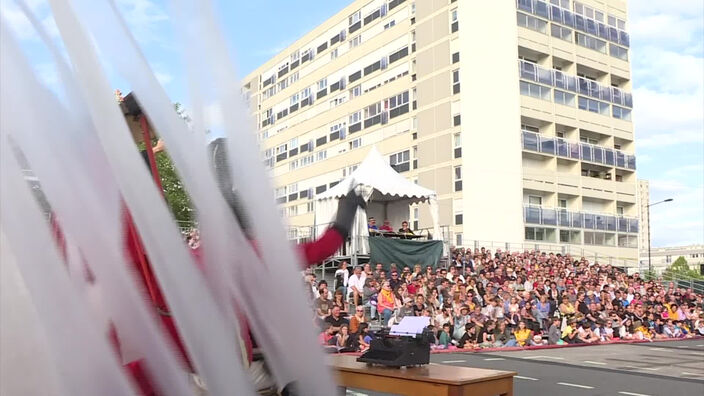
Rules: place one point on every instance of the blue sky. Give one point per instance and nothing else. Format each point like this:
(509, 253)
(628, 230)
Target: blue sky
(667, 56)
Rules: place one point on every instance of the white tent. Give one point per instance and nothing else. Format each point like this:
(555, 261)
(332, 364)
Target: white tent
(387, 194)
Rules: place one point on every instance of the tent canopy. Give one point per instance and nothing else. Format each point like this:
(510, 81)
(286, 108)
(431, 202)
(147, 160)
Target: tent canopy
(386, 183)
(386, 192)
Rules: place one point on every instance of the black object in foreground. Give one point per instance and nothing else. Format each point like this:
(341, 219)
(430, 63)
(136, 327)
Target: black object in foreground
(399, 351)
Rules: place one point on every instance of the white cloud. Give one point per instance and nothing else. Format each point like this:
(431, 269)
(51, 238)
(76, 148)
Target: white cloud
(665, 119)
(163, 77)
(143, 18)
(680, 222)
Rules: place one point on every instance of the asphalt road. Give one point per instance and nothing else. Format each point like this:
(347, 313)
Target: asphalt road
(652, 369)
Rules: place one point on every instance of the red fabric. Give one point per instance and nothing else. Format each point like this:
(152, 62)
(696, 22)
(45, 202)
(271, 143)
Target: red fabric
(312, 252)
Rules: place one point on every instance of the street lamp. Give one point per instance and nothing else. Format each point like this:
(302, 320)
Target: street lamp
(650, 265)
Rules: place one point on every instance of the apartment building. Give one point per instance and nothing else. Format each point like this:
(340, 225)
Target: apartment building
(517, 113)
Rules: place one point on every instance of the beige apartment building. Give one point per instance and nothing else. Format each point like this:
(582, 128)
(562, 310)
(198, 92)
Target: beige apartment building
(517, 113)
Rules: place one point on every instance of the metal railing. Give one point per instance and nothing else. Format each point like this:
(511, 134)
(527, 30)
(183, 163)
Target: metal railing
(577, 150)
(540, 215)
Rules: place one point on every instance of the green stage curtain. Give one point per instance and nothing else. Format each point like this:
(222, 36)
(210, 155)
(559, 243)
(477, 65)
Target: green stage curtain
(405, 253)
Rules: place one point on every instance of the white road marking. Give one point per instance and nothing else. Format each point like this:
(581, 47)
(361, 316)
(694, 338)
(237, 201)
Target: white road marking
(700, 345)
(597, 363)
(525, 378)
(657, 349)
(681, 346)
(686, 373)
(650, 368)
(453, 361)
(633, 394)
(544, 357)
(494, 359)
(575, 385)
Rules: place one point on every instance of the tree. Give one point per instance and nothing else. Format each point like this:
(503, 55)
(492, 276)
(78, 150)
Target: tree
(680, 270)
(176, 196)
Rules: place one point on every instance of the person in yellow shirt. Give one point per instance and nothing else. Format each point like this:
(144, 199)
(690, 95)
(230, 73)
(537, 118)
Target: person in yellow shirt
(523, 335)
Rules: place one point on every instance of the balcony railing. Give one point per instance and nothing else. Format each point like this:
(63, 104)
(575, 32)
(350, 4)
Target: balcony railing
(555, 78)
(577, 150)
(588, 221)
(568, 18)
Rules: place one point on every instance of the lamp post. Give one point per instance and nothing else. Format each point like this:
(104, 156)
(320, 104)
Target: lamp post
(650, 264)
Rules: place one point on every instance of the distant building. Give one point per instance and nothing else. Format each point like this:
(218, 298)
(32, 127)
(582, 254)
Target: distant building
(662, 258)
(643, 202)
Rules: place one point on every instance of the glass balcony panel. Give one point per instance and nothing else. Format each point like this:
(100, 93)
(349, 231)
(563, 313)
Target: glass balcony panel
(547, 145)
(594, 89)
(574, 151)
(583, 84)
(568, 18)
(605, 93)
(559, 78)
(532, 214)
(525, 5)
(549, 216)
(617, 95)
(600, 222)
(628, 100)
(563, 148)
(572, 83)
(609, 157)
(631, 162)
(556, 14)
(540, 8)
(620, 159)
(528, 71)
(563, 217)
(586, 152)
(589, 221)
(632, 225)
(602, 30)
(623, 38)
(613, 34)
(577, 220)
(579, 23)
(622, 224)
(544, 76)
(598, 154)
(610, 223)
(530, 141)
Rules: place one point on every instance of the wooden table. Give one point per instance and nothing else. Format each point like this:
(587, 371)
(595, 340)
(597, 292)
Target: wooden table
(428, 380)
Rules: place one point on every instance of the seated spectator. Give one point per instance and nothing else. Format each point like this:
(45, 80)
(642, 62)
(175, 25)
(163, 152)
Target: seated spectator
(404, 229)
(419, 305)
(444, 338)
(605, 330)
(640, 332)
(699, 330)
(363, 337)
(342, 277)
(626, 329)
(370, 296)
(585, 334)
(323, 306)
(345, 341)
(460, 321)
(487, 336)
(405, 310)
(469, 338)
(326, 336)
(554, 333)
(386, 226)
(569, 333)
(523, 334)
(339, 301)
(336, 320)
(357, 319)
(386, 302)
(371, 225)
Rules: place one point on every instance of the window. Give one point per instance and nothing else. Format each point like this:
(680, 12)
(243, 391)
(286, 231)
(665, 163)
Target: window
(338, 101)
(269, 92)
(535, 234)
(535, 200)
(355, 41)
(564, 98)
(458, 218)
(391, 24)
(355, 117)
(400, 161)
(321, 155)
(281, 192)
(457, 145)
(592, 105)
(535, 90)
(283, 84)
(458, 240)
(531, 22)
(322, 84)
(355, 91)
(458, 178)
(455, 81)
(619, 210)
(398, 100)
(337, 131)
(621, 113)
(334, 53)
(356, 143)
(618, 52)
(293, 78)
(356, 17)
(562, 203)
(292, 211)
(560, 32)
(591, 42)
(371, 111)
(454, 24)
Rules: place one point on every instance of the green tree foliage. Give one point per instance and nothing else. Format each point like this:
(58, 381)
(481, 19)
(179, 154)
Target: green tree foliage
(680, 270)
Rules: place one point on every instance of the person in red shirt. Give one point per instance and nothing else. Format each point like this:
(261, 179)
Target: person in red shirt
(386, 226)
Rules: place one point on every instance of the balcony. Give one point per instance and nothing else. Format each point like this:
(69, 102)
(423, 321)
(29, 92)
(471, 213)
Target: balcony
(538, 215)
(568, 18)
(532, 72)
(577, 151)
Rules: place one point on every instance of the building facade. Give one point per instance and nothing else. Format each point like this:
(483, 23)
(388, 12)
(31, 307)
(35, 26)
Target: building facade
(643, 214)
(517, 113)
(663, 257)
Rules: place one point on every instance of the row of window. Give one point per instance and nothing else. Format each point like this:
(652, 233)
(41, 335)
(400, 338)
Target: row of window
(591, 221)
(596, 238)
(529, 70)
(578, 151)
(567, 99)
(584, 19)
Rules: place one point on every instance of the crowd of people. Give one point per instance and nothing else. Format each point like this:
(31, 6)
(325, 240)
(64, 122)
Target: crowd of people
(502, 299)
